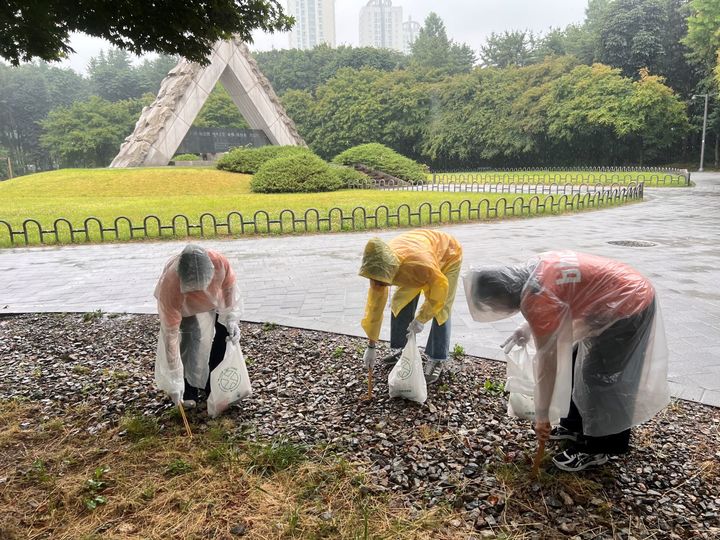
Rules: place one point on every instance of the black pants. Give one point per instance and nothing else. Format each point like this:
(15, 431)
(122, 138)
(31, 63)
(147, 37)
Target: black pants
(190, 336)
(619, 349)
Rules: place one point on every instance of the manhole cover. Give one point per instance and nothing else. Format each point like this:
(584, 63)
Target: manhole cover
(632, 243)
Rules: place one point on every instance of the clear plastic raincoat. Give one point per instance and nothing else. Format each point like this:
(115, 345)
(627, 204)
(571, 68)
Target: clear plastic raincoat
(208, 288)
(416, 261)
(604, 306)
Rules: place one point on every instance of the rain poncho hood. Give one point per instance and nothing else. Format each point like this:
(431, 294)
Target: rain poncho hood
(379, 262)
(417, 261)
(199, 283)
(571, 298)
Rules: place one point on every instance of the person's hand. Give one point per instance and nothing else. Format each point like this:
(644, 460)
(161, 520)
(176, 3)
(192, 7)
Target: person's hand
(415, 327)
(176, 397)
(519, 337)
(233, 332)
(542, 430)
(370, 357)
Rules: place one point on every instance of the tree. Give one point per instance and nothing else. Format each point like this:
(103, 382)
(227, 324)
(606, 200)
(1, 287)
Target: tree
(703, 36)
(152, 71)
(514, 48)
(433, 50)
(113, 77)
(220, 111)
(89, 133)
(307, 69)
(190, 28)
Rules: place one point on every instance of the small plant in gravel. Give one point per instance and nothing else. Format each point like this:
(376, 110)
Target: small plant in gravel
(93, 315)
(94, 487)
(80, 370)
(494, 388)
(178, 467)
(138, 426)
(338, 352)
(274, 457)
(268, 326)
(458, 352)
(38, 472)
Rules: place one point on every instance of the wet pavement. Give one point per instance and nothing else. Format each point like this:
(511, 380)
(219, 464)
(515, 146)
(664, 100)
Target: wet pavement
(311, 281)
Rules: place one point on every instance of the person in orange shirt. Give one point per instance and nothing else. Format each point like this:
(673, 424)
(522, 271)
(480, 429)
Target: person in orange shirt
(416, 261)
(598, 314)
(199, 307)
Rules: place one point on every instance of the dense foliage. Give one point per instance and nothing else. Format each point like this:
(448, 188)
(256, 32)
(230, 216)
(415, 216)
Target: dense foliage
(190, 28)
(381, 158)
(249, 160)
(298, 173)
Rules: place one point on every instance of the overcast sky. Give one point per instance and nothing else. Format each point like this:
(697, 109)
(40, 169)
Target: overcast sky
(466, 21)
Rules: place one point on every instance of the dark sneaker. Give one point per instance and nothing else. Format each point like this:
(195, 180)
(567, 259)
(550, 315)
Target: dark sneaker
(560, 433)
(434, 370)
(573, 460)
(189, 403)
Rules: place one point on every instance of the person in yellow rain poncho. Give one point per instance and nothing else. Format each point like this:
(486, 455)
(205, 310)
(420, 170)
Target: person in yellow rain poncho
(417, 261)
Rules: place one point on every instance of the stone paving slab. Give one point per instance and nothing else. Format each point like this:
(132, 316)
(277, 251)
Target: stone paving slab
(311, 281)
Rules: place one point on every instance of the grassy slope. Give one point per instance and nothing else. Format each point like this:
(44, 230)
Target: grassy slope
(76, 194)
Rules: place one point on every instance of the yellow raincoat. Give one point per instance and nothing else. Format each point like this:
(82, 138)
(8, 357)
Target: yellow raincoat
(416, 261)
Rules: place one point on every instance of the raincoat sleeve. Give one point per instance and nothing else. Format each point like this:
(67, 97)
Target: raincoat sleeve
(169, 302)
(230, 308)
(376, 301)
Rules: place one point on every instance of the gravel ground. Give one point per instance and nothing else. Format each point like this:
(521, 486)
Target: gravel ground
(459, 449)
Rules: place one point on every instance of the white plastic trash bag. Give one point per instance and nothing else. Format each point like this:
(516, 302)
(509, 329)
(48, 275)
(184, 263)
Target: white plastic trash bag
(407, 380)
(229, 381)
(520, 383)
(521, 386)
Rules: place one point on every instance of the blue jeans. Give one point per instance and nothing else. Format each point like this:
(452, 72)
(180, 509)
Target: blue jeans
(438, 343)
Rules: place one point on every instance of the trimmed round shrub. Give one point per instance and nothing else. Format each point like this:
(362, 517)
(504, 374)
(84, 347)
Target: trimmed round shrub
(349, 176)
(186, 157)
(294, 174)
(249, 160)
(381, 158)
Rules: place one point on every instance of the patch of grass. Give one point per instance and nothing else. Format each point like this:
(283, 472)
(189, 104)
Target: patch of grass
(38, 472)
(178, 467)
(273, 457)
(268, 326)
(338, 352)
(138, 426)
(80, 370)
(116, 194)
(93, 315)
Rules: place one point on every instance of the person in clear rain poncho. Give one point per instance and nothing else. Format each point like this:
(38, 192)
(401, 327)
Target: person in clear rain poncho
(595, 320)
(199, 306)
(416, 261)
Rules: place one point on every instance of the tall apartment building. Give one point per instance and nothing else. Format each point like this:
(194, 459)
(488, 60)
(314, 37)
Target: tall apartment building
(314, 23)
(381, 25)
(411, 29)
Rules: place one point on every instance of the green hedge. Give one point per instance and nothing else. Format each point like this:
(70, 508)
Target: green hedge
(186, 157)
(381, 158)
(348, 175)
(249, 160)
(301, 172)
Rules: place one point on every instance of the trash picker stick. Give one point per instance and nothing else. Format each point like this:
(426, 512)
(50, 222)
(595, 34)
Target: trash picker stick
(185, 420)
(370, 383)
(538, 458)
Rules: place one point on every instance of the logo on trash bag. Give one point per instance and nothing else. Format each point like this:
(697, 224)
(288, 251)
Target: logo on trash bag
(229, 379)
(406, 368)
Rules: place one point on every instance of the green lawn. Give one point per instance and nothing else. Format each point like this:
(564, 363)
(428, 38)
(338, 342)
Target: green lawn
(106, 194)
(650, 178)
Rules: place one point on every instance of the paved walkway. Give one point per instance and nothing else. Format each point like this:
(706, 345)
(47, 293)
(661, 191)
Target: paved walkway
(312, 282)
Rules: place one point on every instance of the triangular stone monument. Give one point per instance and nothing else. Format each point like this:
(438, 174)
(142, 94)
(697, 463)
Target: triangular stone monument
(163, 125)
